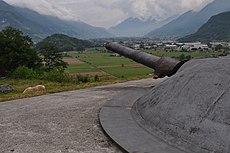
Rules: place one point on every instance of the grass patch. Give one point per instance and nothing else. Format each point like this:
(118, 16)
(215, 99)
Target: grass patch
(129, 72)
(81, 68)
(20, 85)
(196, 54)
(102, 59)
(51, 87)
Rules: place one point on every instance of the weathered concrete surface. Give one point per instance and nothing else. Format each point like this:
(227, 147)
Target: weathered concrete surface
(117, 121)
(190, 110)
(59, 123)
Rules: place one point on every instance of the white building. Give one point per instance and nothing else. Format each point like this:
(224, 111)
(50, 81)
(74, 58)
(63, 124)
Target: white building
(195, 46)
(172, 47)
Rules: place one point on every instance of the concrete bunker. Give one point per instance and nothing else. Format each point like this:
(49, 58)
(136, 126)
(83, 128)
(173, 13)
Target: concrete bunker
(191, 109)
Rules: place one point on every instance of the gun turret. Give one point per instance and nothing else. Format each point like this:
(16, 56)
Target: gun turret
(163, 66)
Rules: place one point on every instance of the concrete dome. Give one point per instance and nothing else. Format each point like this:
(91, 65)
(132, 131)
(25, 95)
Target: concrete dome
(190, 110)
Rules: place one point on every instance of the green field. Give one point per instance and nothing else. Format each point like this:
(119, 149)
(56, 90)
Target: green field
(102, 59)
(129, 72)
(196, 54)
(115, 66)
(81, 68)
(121, 67)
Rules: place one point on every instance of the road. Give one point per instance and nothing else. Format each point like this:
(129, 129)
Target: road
(64, 122)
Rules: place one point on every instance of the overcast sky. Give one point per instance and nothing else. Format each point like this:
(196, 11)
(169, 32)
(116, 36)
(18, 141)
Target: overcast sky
(106, 13)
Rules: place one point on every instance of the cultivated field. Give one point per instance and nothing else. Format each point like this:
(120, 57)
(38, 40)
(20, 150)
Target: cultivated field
(105, 65)
(194, 54)
(108, 65)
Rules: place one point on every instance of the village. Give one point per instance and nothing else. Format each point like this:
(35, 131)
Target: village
(168, 45)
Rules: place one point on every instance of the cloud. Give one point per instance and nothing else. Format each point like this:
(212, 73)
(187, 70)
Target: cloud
(107, 13)
(153, 8)
(43, 7)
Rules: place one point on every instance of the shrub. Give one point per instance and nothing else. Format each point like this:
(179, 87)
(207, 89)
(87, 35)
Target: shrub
(86, 79)
(82, 79)
(23, 72)
(96, 78)
(183, 57)
(57, 76)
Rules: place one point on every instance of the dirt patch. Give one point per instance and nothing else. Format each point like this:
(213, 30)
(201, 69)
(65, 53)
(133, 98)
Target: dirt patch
(135, 65)
(108, 66)
(101, 73)
(126, 65)
(72, 60)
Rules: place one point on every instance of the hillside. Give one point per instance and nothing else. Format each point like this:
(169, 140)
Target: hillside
(217, 28)
(191, 21)
(66, 43)
(40, 26)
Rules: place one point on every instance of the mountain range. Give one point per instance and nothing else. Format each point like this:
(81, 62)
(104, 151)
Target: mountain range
(216, 29)
(191, 21)
(39, 26)
(135, 27)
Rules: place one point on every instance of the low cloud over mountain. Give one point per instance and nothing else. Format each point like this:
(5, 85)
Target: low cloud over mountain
(109, 13)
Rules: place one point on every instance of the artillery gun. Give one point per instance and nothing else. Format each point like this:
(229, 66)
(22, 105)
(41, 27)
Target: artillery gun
(191, 109)
(163, 66)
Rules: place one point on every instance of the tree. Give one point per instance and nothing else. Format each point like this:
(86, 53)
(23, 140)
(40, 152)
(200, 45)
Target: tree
(219, 47)
(52, 57)
(16, 50)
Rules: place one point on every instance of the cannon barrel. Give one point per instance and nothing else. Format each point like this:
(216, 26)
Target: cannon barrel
(163, 66)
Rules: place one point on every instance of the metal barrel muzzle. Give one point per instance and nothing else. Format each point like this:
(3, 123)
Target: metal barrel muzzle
(163, 66)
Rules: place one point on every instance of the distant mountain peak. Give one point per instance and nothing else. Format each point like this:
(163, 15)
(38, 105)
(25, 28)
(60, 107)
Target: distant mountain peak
(144, 19)
(133, 27)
